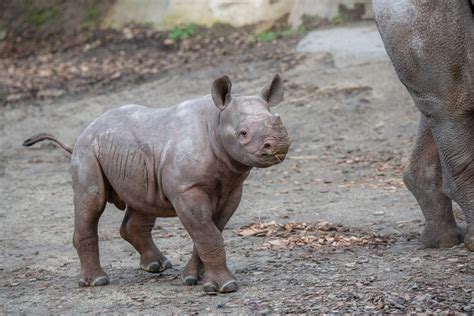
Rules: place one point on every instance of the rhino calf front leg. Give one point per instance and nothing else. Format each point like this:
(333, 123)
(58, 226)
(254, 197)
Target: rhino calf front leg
(194, 268)
(423, 177)
(194, 210)
(136, 229)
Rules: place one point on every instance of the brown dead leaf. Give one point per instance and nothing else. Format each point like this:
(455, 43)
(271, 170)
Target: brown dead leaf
(321, 234)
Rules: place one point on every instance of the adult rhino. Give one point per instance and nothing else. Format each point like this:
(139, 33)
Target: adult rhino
(431, 45)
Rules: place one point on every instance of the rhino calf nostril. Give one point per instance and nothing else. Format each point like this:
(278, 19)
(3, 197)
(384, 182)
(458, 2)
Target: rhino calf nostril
(267, 146)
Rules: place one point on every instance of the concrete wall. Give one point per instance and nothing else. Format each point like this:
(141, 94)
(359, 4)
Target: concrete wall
(340, 10)
(164, 14)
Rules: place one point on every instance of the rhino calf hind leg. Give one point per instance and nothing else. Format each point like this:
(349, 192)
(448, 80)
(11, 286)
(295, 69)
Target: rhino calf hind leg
(423, 177)
(136, 229)
(89, 204)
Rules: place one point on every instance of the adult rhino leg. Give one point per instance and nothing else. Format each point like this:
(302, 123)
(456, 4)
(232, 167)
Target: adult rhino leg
(455, 139)
(89, 203)
(195, 212)
(194, 268)
(423, 177)
(136, 229)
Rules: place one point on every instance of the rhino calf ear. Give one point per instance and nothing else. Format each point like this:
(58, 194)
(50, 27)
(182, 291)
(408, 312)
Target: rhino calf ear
(273, 92)
(220, 92)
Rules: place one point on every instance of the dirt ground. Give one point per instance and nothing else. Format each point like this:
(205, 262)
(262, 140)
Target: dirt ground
(352, 131)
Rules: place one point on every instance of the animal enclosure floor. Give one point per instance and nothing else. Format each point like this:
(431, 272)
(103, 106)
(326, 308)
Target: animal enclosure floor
(352, 128)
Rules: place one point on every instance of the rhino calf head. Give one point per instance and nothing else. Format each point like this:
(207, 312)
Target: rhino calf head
(249, 133)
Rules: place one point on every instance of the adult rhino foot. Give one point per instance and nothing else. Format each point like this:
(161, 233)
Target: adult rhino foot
(469, 240)
(92, 280)
(439, 237)
(155, 266)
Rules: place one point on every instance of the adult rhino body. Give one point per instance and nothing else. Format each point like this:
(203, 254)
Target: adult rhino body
(431, 45)
(189, 160)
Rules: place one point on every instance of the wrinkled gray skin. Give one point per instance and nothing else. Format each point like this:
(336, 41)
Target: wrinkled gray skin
(189, 160)
(431, 45)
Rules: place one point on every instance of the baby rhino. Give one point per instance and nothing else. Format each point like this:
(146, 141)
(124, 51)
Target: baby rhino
(189, 160)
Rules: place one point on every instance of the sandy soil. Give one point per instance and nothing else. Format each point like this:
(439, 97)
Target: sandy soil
(352, 131)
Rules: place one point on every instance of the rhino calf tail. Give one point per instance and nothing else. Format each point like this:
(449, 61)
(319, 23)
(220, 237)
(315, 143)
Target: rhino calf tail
(43, 136)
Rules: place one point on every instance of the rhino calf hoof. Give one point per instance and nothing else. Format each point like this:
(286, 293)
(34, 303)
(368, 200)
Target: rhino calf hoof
(210, 289)
(190, 280)
(228, 287)
(99, 281)
(156, 267)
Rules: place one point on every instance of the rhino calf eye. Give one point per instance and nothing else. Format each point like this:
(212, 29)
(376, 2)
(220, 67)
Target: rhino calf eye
(243, 133)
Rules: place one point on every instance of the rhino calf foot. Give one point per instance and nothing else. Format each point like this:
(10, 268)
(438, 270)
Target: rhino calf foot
(155, 266)
(193, 271)
(438, 237)
(191, 276)
(230, 286)
(223, 282)
(94, 281)
(189, 280)
(211, 288)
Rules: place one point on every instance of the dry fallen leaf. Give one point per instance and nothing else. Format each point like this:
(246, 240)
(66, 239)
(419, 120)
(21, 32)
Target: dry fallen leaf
(323, 233)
